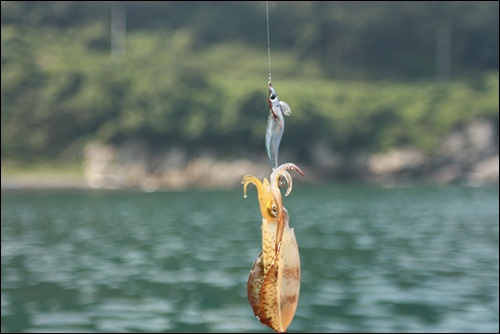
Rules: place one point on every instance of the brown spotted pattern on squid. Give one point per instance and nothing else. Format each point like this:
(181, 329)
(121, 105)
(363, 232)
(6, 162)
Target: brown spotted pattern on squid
(254, 285)
(270, 312)
(292, 273)
(291, 299)
(268, 245)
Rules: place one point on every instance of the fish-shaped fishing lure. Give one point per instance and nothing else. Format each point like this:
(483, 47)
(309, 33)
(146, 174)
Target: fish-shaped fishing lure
(274, 282)
(275, 124)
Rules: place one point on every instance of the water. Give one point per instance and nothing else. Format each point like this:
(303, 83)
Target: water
(423, 259)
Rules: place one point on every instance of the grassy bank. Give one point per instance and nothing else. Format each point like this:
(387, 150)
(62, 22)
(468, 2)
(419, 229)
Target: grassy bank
(61, 89)
(42, 175)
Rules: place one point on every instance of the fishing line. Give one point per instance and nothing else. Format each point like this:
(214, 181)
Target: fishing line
(268, 40)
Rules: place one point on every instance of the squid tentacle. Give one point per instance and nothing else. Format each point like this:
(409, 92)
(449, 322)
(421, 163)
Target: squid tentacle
(247, 179)
(281, 171)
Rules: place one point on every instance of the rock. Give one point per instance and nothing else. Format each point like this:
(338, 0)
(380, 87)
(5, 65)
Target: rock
(485, 171)
(323, 156)
(447, 174)
(476, 140)
(135, 165)
(395, 161)
(97, 168)
(468, 154)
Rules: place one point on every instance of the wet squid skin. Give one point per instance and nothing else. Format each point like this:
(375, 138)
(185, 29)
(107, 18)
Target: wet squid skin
(274, 282)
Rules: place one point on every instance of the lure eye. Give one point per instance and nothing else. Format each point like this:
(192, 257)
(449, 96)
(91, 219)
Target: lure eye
(272, 96)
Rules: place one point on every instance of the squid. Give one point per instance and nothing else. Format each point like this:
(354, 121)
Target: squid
(275, 125)
(274, 282)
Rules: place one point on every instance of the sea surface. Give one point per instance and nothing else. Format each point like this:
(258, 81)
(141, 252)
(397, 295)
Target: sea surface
(411, 259)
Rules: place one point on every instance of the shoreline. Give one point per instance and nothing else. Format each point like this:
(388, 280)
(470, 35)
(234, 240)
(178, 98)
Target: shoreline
(58, 181)
(42, 181)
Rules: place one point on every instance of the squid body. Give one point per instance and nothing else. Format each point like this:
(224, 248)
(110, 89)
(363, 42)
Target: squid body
(274, 283)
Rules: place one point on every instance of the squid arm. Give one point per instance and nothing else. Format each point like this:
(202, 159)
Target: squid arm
(275, 181)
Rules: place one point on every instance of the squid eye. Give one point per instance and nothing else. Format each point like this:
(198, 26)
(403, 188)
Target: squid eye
(273, 211)
(272, 96)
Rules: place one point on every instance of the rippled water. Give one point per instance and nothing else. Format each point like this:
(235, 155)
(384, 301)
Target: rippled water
(375, 260)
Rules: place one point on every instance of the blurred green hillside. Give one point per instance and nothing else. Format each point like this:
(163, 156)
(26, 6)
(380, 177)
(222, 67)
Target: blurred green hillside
(359, 76)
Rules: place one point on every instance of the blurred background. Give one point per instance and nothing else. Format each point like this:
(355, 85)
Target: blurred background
(395, 122)
(173, 94)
